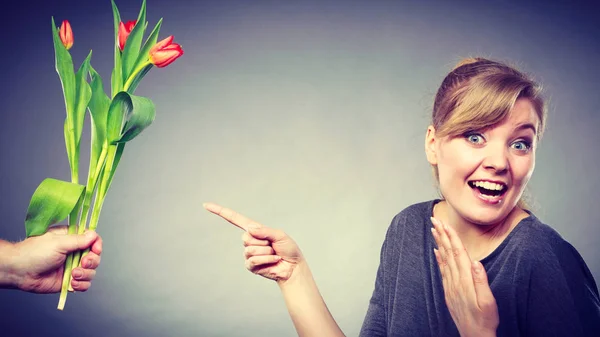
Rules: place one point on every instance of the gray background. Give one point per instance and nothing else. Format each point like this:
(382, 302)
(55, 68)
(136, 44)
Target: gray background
(307, 116)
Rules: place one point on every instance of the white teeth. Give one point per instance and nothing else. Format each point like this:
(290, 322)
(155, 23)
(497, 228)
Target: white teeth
(488, 185)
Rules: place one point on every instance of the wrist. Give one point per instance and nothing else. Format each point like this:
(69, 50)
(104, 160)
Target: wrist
(479, 332)
(301, 274)
(8, 272)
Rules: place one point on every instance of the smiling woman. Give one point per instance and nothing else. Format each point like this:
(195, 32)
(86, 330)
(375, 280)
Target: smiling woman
(488, 266)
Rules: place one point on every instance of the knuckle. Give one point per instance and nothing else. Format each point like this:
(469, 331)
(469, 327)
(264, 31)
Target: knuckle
(248, 251)
(246, 239)
(487, 303)
(457, 252)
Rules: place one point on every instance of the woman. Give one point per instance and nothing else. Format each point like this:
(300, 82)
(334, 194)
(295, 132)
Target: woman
(476, 262)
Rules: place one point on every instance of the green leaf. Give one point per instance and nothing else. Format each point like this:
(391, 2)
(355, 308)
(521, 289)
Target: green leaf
(98, 107)
(120, 106)
(128, 116)
(64, 68)
(141, 117)
(82, 98)
(150, 42)
(138, 78)
(70, 145)
(134, 43)
(118, 153)
(117, 20)
(117, 77)
(51, 202)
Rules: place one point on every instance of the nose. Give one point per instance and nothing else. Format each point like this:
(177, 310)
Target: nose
(496, 159)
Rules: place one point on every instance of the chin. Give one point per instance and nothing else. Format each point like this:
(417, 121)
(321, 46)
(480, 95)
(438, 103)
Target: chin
(484, 213)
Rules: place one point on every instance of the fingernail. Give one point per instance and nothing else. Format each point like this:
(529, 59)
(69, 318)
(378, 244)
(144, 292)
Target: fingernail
(433, 231)
(77, 273)
(433, 220)
(476, 266)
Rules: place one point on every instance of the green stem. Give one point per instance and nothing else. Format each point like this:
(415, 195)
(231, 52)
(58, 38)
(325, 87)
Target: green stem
(134, 74)
(89, 192)
(102, 189)
(68, 263)
(65, 283)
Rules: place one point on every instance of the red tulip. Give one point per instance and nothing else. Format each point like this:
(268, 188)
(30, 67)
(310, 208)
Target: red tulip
(165, 52)
(124, 31)
(66, 34)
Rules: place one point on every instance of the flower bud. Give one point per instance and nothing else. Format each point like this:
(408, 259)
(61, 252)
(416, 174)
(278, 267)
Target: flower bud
(165, 52)
(124, 31)
(66, 34)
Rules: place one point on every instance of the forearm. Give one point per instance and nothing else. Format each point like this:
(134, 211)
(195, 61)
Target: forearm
(306, 306)
(7, 273)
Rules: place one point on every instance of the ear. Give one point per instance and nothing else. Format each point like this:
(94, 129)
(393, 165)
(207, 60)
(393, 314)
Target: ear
(430, 142)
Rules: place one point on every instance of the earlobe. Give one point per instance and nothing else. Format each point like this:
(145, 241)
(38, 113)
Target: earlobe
(430, 145)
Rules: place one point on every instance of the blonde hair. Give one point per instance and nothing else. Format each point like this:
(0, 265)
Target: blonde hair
(479, 93)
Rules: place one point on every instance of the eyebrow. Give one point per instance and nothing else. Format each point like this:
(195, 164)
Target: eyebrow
(526, 126)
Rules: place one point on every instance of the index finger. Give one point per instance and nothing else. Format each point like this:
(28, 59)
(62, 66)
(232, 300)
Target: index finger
(230, 215)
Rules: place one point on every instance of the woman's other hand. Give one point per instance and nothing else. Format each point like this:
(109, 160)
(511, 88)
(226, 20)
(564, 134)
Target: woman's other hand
(467, 292)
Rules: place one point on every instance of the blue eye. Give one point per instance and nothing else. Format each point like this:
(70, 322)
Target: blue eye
(474, 138)
(521, 145)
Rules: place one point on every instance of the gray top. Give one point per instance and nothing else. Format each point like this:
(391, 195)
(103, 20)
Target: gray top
(541, 284)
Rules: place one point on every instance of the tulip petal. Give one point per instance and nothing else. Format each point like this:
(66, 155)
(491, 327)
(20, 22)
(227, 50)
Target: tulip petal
(122, 36)
(66, 34)
(165, 52)
(161, 44)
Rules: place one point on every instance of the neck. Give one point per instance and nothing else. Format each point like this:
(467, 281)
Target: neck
(479, 240)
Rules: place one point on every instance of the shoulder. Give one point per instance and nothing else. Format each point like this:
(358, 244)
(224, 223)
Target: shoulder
(560, 282)
(536, 237)
(549, 254)
(413, 214)
(410, 221)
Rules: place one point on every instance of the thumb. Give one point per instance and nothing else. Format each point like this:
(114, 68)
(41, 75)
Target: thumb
(485, 297)
(266, 233)
(73, 242)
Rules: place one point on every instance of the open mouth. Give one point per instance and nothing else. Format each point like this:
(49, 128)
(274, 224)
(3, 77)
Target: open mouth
(488, 190)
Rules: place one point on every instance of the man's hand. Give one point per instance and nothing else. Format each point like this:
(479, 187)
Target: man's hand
(36, 264)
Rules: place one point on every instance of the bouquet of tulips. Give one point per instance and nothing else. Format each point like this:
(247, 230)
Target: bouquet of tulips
(115, 120)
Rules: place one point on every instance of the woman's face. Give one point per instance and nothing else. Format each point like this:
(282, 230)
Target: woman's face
(483, 173)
